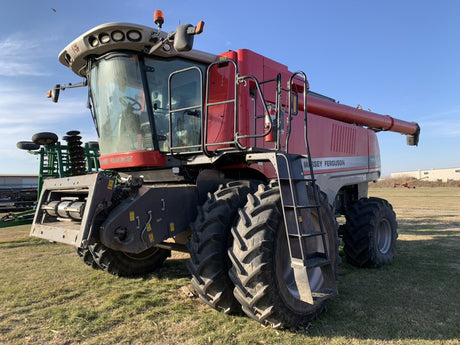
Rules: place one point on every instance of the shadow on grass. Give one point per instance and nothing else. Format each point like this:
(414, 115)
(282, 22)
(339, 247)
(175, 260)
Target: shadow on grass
(25, 242)
(415, 225)
(414, 298)
(173, 269)
(435, 233)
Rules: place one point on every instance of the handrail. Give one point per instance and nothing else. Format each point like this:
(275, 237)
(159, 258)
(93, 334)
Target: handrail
(236, 136)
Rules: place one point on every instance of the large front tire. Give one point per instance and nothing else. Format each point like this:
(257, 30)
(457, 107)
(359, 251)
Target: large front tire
(209, 243)
(126, 264)
(370, 233)
(262, 273)
(85, 255)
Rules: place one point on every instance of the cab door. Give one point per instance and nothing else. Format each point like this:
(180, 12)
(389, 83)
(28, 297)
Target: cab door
(186, 109)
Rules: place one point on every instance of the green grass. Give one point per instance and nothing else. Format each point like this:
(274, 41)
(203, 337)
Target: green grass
(47, 295)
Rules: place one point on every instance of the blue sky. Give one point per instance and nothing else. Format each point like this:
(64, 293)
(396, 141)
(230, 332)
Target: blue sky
(399, 58)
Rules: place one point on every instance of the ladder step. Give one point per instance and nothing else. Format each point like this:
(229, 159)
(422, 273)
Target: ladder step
(302, 206)
(308, 234)
(321, 295)
(318, 262)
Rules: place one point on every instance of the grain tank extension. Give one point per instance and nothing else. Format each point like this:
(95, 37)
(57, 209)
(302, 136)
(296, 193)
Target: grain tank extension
(229, 157)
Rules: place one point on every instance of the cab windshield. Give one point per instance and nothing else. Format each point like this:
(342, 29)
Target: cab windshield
(142, 104)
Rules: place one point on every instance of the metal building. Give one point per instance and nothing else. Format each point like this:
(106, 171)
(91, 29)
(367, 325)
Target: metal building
(18, 181)
(444, 175)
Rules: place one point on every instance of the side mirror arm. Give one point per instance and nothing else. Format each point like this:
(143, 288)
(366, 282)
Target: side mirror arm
(54, 92)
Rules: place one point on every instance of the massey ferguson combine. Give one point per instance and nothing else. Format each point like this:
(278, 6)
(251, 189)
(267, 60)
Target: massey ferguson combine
(229, 157)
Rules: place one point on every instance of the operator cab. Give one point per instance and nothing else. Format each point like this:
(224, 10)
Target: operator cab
(145, 90)
(146, 103)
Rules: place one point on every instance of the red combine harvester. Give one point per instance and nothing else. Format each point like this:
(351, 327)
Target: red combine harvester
(229, 157)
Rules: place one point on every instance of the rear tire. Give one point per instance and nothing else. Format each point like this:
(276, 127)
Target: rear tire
(370, 233)
(209, 243)
(261, 271)
(126, 264)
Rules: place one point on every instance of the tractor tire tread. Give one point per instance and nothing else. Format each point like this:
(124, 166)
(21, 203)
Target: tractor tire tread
(208, 246)
(254, 260)
(126, 265)
(361, 223)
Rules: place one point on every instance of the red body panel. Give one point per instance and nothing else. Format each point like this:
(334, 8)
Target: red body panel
(335, 143)
(132, 159)
(221, 118)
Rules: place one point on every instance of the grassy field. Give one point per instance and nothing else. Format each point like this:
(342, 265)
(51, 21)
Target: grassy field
(47, 295)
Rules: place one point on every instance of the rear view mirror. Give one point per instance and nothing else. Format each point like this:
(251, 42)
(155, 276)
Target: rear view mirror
(183, 41)
(183, 38)
(54, 93)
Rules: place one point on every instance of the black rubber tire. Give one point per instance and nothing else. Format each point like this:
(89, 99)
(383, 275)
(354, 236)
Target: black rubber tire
(209, 243)
(27, 145)
(259, 256)
(370, 233)
(43, 138)
(128, 265)
(86, 256)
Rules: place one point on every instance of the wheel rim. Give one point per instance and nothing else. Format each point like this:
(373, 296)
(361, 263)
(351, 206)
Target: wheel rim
(315, 278)
(384, 237)
(315, 275)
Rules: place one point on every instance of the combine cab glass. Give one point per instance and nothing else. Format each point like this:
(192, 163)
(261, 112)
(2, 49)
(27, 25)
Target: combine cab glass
(133, 98)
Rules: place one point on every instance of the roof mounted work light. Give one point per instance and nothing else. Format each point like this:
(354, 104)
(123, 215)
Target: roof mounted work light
(158, 18)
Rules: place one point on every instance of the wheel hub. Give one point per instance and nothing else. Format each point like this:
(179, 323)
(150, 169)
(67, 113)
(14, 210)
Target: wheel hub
(384, 236)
